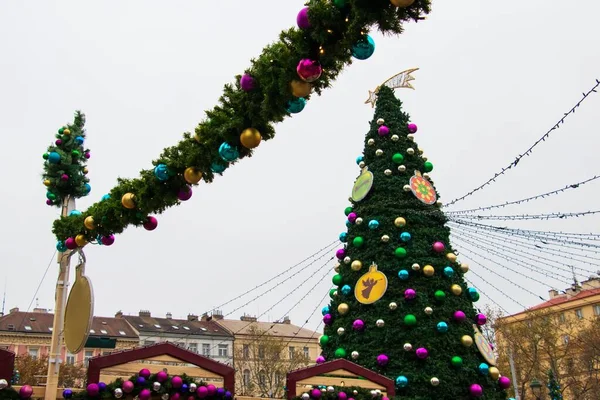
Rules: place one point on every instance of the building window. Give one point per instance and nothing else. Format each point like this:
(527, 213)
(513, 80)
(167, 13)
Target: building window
(262, 378)
(246, 378)
(292, 350)
(70, 358)
(566, 339)
(34, 352)
(246, 351)
(579, 313)
(306, 352)
(88, 354)
(261, 352)
(277, 379)
(597, 310)
(206, 349)
(561, 318)
(193, 347)
(149, 342)
(223, 350)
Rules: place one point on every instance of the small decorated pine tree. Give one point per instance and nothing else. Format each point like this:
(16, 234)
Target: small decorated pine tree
(553, 386)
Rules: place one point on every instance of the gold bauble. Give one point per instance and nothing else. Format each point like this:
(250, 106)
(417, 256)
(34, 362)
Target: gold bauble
(85, 171)
(343, 308)
(428, 270)
(494, 373)
(250, 138)
(66, 132)
(456, 290)
(337, 268)
(402, 3)
(356, 265)
(466, 341)
(464, 268)
(80, 240)
(88, 222)
(451, 257)
(399, 222)
(192, 175)
(47, 182)
(300, 88)
(128, 200)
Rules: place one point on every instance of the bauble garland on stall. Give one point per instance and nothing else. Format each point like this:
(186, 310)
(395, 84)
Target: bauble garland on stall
(340, 393)
(279, 82)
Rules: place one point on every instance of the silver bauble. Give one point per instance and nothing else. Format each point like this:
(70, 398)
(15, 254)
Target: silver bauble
(193, 387)
(354, 354)
(355, 392)
(395, 138)
(393, 306)
(428, 310)
(378, 152)
(358, 221)
(330, 389)
(464, 268)
(3, 384)
(385, 238)
(401, 168)
(407, 347)
(410, 151)
(371, 142)
(378, 392)
(380, 121)
(165, 396)
(373, 393)
(361, 164)
(410, 137)
(156, 386)
(426, 175)
(416, 267)
(424, 158)
(118, 393)
(347, 260)
(335, 293)
(380, 323)
(387, 172)
(305, 396)
(341, 331)
(406, 188)
(435, 381)
(323, 390)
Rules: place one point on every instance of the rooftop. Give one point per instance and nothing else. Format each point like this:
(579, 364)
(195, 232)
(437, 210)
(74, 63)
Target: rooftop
(284, 328)
(145, 323)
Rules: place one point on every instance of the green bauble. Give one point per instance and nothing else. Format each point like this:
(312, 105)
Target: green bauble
(337, 279)
(400, 252)
(428, 166)
(440, 295)
(332, 293)
(323, 340)
(61, 130)
(45, 156)
(457, 361)
(358, 241)
(348, 210)
(339, 3)
(340, 353)
(410, 320)
(75, 153)
(398, 158)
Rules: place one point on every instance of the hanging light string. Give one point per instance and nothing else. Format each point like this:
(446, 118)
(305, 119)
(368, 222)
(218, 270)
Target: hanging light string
(521, 217)
(559, 234)
(319, 303)
(526, 200)
(528, 152)
(550, 251)
(488, 296)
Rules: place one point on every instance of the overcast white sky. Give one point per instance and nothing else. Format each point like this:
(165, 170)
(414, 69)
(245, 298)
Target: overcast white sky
(494, 76)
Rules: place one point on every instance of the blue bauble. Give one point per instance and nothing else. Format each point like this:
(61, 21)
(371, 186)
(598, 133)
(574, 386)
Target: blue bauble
(161, 172)
(61, 246)
(87, 188)
(67, 393)
(364, 48)
(403, 274)
(228, 152)
(405, 236)
(105, 197)
(473, 294)
(296, 105)
(402, 381)
(53, 157)
(79, 140)
(325, 310)
(483, 369)
(359, 159)
(74, 213)
(217, 168)
(448, 272)
(442, 327)
(348, 224)
(343, 237)
(346, 289)
(373, 224)
(99, 240)
(184, 388)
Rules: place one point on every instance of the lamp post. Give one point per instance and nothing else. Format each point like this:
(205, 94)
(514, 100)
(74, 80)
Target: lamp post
(536, 388)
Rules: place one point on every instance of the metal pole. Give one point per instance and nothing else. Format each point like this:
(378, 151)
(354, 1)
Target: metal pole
(62, 289)
(513, 374)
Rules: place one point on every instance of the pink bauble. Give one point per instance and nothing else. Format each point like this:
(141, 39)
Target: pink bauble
(315, 393)
(422, 353)
(64, 177)
(247, 82)
(25, 392)
(504, 382)
(410, 294)
(302, 19)
(144, 373)
(162, 376)
(127, 386)
(327, 319)
(358, 325)
(202, 391)
(309, 70)
(87, 155)
(320, 360)
(145, 394)
(185, 193)
(49, 202)
(340, 253)
(475, 390)
(108, 240)
(480, 319)
(439, 247)
(211, 389)
(385, 398)
(412, 128)
(459, 316)
(70, 243)
(351, 398)
(352, 217)
(382, 360)
(342, 396)
(176, 382)
(58, 142)
(93, 389)
(175, 396)
(383, 130)
(150, 224)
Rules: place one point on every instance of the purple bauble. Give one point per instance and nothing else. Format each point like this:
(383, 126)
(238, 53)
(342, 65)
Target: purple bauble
(504, 382)
(211, 389)
(383, 130)
(87, 155)
(340, 253)
(93, 390)
(352, 217)
(184, 193)
(475, 390)
(358, 325)
(342, 396)
(302, 19)
(102, 386)
(422, 353)
(49, 202)
(108, 240)
(220, 392)
(228, 394)
(320, 360)
(459, 316)
(150, 224)
(412, 128)
(58, 142)
(202, 391)
(480, 319)
(25, 392)
(162, 376)
(315, 393)
(327, 319)
(64, 177)
(144, 373)
(70, 243)
(247, 82)
(127, 386)
(438, 247)
(140, 380)
(382, 360)
(145, 394)
(184, 388)
(176, 382)
(309, 70)
(410, 294)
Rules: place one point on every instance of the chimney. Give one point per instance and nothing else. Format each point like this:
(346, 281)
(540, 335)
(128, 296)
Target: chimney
(40, 310)
(552, 293)
(169, 315)
(119, 314)
(14, 310)
(205, 317)
(145, 313)
(192, 317)
(286, 320)
(248, 318)
(592, 283)
(217, 315)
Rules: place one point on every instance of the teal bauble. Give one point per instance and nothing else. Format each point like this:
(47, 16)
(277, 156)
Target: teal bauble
(359, 159)
(364, 48)
(74, 213)
(473, 294)
(448, 272)
(346, 290)
(87, 188)
(217, 168)
(105, 197)
(61, 246)
(228, 152)
(402, 381)
(325, 310)
(442, 327)
(373, 224)
(405, 236)
(403, 274)
(343, 237)
(483, 369)
(53, 157)
(295, 106)
(161, 172)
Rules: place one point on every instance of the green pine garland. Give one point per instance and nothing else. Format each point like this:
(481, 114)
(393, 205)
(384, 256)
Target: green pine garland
(352, 392)
(336, 25)
(65, 164)
(9, 393)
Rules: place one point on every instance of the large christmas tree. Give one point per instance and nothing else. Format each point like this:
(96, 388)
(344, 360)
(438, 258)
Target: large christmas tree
(402, 307)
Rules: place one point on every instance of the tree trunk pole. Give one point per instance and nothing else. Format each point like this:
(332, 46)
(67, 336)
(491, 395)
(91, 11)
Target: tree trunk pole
(514, 374)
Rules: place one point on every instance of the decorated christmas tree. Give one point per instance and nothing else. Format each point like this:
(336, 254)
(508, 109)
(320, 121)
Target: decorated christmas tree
(401, 306)
(553, 387)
